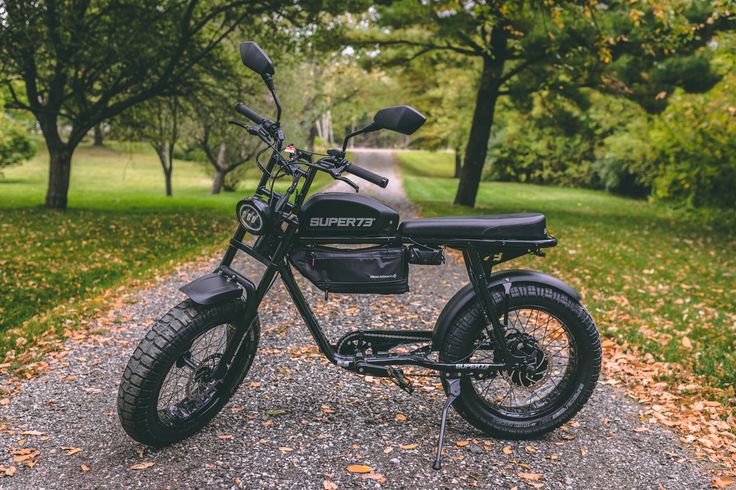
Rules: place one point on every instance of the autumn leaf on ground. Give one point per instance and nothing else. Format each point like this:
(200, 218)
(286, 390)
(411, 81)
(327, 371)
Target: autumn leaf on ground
(529, 476)
(408, 446)
(9, 471)
(374, 476)
(359, 468)
(286, 449)
(328, 485)
(72, 450)
(400, 417)
(721, 482)
(33, 433)
(84, 468)
(225, 437)
(462, 443)
(506, 450)
(142, 466)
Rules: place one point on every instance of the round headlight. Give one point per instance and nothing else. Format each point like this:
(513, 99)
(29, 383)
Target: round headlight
(254, 215)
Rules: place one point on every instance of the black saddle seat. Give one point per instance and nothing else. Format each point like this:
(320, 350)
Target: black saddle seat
(517, 226)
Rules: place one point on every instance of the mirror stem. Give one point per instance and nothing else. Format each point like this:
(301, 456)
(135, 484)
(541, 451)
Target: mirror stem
(365, 129)
(269, 83)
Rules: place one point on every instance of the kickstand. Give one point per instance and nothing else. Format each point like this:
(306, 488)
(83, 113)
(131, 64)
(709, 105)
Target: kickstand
(454, 385)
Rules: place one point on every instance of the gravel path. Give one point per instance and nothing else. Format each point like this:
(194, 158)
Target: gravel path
(297, 421)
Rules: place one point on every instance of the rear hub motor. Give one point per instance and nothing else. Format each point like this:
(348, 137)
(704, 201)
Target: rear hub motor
(524, 346)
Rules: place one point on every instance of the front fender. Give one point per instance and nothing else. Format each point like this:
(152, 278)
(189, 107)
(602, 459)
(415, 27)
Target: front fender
(211, 289)
(467, 294)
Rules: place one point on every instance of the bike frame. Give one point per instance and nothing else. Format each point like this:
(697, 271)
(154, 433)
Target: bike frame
(479, 256)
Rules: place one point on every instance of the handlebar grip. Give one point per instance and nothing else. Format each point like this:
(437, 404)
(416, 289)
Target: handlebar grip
(366, 175)
(250, 113)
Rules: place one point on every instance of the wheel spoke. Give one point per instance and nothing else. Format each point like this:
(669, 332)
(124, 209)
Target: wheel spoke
(528, 392)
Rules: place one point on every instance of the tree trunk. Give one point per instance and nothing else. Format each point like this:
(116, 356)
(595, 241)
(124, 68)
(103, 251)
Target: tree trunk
(458, 162)
(480, 133)
(218, 181)
(485, 107)
(60, 168)
(220, 170)
(167, 165)
(98, 135)
(167, 177)
(312, 136)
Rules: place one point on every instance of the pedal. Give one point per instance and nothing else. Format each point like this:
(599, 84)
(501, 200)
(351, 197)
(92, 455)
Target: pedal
(397, 376)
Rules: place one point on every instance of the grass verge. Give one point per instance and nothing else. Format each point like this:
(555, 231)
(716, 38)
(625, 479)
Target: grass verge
(119, 227)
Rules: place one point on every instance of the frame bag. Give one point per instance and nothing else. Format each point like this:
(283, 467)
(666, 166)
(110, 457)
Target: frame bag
(375, 270)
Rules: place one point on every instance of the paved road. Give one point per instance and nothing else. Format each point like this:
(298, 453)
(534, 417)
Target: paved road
(298, 421)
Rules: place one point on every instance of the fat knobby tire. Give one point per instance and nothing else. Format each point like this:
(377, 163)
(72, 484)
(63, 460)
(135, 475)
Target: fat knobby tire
(147, 368)
(470, 322)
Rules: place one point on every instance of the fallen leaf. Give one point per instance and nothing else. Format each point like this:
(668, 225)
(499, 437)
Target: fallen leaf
(286, 449)
(387, 449)
(529, 476)
(408, 446)
(9, 471)
(225, 437)
(359, 468)
(400, 417)
(374, 476)
(462, 443)
(34, 433)
(687, 343)
(327, 409)
(5, 401)
(70, 451)
(506, 450)
(328, 485)
(93, 390)
(721, 482)
(84, 468)
(142, 466)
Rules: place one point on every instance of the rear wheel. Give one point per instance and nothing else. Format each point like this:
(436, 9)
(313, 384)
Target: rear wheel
(549, 327)
(167, 392)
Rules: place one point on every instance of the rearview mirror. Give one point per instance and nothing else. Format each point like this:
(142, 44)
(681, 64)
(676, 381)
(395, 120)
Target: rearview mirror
(400, 118)
(256, 59)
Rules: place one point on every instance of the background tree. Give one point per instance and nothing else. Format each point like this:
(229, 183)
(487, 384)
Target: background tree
(524, 47)
(86, 62)
(158, 122)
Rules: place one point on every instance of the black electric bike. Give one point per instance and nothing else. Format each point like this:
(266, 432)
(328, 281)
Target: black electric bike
(517, 352)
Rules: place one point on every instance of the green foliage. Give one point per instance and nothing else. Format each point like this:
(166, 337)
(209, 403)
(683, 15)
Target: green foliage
(646, 271)
(16, 144)
(694, 148)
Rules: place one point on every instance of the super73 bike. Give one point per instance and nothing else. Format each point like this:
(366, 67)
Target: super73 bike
(517, 352)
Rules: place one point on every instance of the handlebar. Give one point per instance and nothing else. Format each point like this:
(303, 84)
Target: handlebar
(366, 175)
(250, 113)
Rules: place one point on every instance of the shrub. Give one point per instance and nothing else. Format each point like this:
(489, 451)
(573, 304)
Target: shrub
(15, 142)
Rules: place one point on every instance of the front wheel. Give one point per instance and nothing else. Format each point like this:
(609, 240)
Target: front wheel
(167, 392)
(553, 329)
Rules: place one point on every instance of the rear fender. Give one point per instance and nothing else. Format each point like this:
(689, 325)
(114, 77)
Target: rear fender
(211, 289)
(466, 295)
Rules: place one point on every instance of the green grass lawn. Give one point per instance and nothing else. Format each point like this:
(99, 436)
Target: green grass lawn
(656, 278)
(118, 227)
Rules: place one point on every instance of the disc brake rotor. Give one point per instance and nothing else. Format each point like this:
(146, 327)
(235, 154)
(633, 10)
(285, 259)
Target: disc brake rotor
(199, 384)
(522, 345)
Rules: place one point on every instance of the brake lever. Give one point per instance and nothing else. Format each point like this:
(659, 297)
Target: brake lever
(349, 182)
(240, 124)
